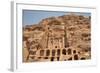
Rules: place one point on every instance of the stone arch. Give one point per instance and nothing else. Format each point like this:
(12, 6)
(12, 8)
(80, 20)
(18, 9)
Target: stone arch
(53, 52)
(52, 58)
(64, 51)
(69, 51)
(58, 52)
(41, 52)
(47, 52)
(76, 57)
(74, 51)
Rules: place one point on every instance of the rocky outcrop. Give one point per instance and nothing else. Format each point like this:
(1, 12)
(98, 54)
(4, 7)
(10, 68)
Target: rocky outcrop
(66, 37)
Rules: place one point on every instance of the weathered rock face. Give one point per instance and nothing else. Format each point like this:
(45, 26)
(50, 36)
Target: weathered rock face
(62, 38)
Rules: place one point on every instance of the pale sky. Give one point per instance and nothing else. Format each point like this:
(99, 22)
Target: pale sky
(35, 16)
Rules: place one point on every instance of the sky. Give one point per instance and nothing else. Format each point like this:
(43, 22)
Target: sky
(31, 17)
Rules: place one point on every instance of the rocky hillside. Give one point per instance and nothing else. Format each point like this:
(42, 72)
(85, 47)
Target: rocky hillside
(68, 32)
